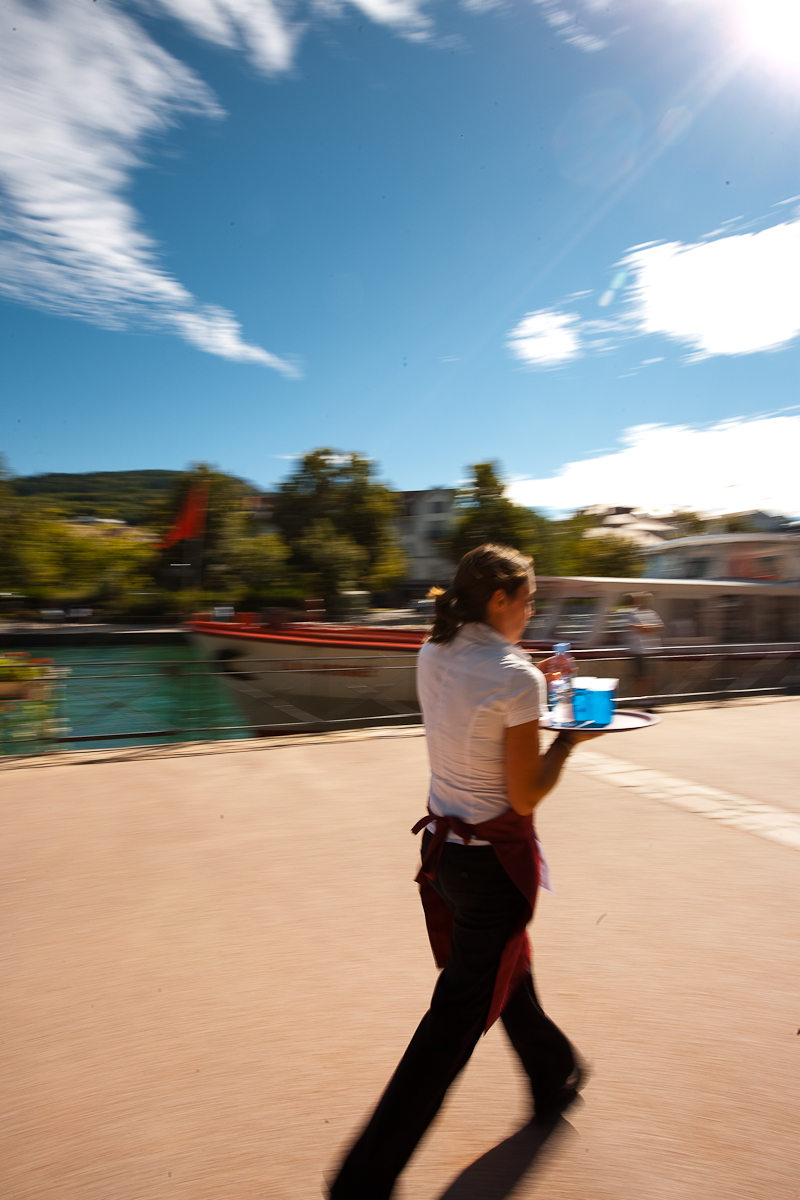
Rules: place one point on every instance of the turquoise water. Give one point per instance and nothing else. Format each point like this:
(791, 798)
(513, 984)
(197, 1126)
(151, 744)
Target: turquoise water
(135, 689)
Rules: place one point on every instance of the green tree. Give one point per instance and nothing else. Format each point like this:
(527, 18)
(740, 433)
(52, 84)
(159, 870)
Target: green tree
(562, 540)
(486, 515)
(688, 524)
(95, 563)
(257, 560)
(12, 535)
(31, 544)
(231, 558)
(224, 498)
(606, 555)
(225, 557)
(337, 562)
(44, 557)
(328, 485)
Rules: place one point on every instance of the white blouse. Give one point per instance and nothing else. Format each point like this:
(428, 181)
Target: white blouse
(472, 690)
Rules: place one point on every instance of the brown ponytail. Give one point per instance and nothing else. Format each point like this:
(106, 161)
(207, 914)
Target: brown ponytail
(478, 576)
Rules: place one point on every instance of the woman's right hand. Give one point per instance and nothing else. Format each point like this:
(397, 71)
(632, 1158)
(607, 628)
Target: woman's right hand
(557, 664)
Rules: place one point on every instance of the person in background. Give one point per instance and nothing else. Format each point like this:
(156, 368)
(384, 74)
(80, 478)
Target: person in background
(642, 637)
(482, 699)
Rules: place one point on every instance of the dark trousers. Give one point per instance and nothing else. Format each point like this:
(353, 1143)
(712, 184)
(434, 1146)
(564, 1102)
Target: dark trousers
(485, 906)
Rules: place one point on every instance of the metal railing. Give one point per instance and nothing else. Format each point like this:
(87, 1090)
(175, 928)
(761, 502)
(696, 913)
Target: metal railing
(764, 666)
(176, 679)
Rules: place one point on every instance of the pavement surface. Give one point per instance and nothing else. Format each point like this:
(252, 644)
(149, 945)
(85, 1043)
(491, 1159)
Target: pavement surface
(747, 746)
(214, 956)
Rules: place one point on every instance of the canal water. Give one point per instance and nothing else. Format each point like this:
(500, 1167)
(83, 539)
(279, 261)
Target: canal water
(134, 689)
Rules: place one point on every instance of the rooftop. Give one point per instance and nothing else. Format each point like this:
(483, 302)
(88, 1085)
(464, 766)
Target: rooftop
(723, 539)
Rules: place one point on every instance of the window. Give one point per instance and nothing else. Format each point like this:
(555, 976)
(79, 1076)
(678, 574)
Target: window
(737, 621)
(751, 566)
(576, 619)
(686, 618)
(540, 622)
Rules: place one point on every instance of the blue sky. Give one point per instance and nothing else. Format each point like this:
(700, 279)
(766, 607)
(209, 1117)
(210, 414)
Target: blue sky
(566, 236)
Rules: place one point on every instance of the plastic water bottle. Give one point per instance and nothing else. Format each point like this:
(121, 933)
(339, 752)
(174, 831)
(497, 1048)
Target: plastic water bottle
(561, 708)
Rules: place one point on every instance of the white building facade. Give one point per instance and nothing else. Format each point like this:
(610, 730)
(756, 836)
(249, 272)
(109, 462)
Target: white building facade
(426, 521)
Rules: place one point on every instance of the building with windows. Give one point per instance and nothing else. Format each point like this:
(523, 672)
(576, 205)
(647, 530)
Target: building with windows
(751, 521)
(426, 520)
(755, 557)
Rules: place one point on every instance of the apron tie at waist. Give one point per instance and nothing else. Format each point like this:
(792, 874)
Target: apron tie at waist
(512, 838)
(444, 825)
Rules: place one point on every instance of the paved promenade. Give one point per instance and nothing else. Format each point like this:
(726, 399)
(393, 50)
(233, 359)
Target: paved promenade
(213, 957)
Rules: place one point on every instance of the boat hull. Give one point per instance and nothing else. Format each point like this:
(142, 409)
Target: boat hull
(298, 681)
(306, 677)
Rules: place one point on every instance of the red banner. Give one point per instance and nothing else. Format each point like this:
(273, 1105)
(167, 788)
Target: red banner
(191, 520)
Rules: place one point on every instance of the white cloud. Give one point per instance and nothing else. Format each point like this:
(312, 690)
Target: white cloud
(481, 6)
(766, 30)
(406, 16)
(728, 467)
(729, 295)
(257, 25)
(267, 30)
(565, 24)
(735, 295)
(82, 86)
(546, 338)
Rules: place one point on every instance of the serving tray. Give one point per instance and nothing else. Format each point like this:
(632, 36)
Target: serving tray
(624, 719)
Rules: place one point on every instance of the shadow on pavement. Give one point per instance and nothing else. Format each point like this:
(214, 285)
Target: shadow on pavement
(495, 1175)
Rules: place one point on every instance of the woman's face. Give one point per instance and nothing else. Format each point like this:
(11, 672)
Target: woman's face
(510, 615)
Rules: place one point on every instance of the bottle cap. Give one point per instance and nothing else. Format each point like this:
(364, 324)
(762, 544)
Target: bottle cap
(561, 648)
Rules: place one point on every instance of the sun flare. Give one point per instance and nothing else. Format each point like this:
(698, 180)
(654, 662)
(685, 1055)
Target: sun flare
(772, 27)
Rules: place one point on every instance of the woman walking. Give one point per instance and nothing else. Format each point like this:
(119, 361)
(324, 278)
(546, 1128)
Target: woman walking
(481, 701)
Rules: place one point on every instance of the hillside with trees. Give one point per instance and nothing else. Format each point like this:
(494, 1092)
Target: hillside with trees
(45, 559)
(129, 496)
(56, 548)
(331, 527)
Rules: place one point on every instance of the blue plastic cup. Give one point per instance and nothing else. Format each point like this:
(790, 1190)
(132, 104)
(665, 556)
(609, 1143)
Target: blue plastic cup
(582, 703)
(602, 701)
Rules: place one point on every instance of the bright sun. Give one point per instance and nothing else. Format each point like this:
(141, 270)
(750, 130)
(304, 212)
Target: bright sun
(773, 28)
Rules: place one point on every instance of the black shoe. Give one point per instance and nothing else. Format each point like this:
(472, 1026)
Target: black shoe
(567, 1094)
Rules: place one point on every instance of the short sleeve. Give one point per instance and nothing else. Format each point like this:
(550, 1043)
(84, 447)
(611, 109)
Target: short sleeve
(528, 696)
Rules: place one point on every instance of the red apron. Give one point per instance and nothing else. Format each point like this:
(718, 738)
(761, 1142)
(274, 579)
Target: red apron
(513, 840)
